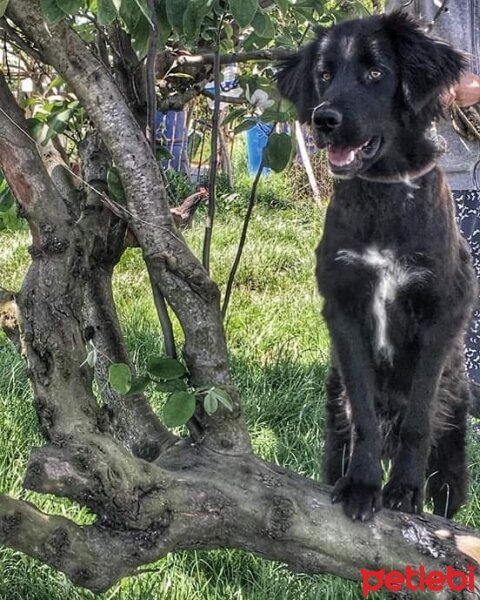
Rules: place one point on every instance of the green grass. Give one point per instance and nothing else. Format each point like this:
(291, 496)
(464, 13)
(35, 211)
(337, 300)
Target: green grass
(279, 353)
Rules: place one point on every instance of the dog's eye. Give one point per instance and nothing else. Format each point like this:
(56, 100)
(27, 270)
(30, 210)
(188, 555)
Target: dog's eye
(325, 75)
(375, 74)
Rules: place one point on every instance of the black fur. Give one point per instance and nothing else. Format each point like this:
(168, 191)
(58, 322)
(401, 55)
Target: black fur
(371, 88)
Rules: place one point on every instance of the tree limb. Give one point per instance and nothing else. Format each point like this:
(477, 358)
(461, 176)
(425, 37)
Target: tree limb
(160, 304)
(227, 501)
(226, 99)
(172, 265)
(212, 179)
(177, 101)
(132, 419)
(271, 55)
(48, 301)
(16, 40)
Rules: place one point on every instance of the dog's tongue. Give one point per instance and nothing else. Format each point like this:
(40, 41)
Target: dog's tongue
(340, 156)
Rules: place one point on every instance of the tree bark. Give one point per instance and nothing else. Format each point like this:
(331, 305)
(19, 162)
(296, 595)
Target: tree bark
(195, 498)
(190, 292)
(131, 417)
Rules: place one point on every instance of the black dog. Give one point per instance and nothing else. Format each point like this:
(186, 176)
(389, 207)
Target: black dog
(394, 272)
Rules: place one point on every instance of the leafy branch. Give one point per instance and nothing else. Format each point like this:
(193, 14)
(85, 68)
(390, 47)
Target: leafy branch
(169, 376)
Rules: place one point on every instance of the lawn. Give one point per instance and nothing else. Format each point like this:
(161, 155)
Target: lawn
(279, 354)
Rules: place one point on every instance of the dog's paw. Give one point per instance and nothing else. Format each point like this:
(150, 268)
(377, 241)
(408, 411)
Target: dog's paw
(360, 501)
(403, 496)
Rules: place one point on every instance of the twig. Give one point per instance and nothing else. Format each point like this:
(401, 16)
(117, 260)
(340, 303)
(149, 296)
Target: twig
(235, 57)
(16, 40)
(160, 303)
(163, 317)
(226, 99)
(207, 242)
(243, 237)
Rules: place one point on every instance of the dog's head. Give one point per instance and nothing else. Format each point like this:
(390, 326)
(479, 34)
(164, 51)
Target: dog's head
(368, 85)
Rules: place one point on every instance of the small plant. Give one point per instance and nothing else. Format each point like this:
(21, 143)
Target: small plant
(170, 377)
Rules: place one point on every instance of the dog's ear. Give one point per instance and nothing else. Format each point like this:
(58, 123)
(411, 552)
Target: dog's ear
(428, 66)
(295, 79)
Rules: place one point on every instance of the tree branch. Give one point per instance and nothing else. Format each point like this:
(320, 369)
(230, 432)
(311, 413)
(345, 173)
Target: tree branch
(272, 55)
(178, 101)
(18, 41)
(132, 419)
(186, 286)
(225, 99)
(207, 242)
(226, 501)
(49, 301)
(160, 304)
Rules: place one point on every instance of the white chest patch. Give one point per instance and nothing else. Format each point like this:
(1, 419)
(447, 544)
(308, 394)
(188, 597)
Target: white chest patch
(392, 275)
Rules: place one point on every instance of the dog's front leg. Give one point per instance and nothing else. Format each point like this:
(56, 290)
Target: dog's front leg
(360, 489)
(405, 490)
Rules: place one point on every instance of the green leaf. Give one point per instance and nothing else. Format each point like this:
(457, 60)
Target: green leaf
(70, 7)
(163, 153)
(115, 187)
(271, 115)
(107, 13)
(143, 6)
(139, 385)
(263, 25)
(141, 33)
(52, 10)
(223, 397)
(175, 11)
(174, 385)
(194, 16)
(130, 14)
(56, 82)
(3, 7)
(243, 11)
(254, 42)
(166, 368)
(248, 123)
(234, 115)
(278, 151)
(37, 129)
(178, 409)
(164, 27)
(210, 403)
(120, 377)
(57, 123)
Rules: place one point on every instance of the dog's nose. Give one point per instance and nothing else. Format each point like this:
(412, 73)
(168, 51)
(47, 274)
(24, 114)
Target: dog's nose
(327, 118)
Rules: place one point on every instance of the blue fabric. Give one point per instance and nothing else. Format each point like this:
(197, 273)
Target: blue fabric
(257, 137)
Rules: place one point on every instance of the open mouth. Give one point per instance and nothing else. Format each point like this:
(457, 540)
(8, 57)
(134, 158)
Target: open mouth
(343, 158)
